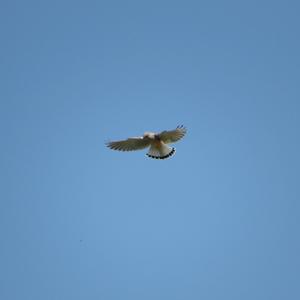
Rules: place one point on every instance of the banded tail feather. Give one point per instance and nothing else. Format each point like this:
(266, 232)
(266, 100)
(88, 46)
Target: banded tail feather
(161, 152)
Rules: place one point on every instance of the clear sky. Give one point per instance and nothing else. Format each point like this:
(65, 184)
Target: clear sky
(219, 220)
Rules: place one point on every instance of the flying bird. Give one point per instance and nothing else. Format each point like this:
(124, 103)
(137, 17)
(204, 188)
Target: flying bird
(156, 142)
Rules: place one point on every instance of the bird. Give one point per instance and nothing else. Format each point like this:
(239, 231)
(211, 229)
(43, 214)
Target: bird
(156, 142)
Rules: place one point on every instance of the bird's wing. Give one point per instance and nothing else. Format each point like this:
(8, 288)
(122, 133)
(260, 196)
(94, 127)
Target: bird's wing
(172, 136)
(131, 144)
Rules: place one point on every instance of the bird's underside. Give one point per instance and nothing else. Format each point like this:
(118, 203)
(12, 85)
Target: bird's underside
(156, 142)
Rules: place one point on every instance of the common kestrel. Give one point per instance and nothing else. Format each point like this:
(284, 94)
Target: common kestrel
(156, 141)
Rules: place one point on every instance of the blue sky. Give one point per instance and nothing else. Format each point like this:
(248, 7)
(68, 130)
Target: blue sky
(219, 220)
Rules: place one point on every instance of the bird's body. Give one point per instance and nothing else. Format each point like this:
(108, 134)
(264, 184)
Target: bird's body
(156, 141)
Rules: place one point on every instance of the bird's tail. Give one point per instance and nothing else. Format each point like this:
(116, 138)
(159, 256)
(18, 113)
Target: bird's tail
(161, 152)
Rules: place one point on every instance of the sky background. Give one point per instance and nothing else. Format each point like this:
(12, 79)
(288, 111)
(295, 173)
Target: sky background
(219, 220)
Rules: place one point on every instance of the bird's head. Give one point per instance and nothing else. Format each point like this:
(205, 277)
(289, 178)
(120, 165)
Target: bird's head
(149, 135)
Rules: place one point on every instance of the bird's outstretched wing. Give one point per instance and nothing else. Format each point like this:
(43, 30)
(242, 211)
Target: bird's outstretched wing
(172, 136)
(131, 144)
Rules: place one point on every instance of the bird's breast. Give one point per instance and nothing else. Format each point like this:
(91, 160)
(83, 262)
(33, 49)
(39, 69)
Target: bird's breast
(157, 143)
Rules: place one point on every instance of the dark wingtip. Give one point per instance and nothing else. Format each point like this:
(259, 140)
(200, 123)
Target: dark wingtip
(108, 145)
(181, 127)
